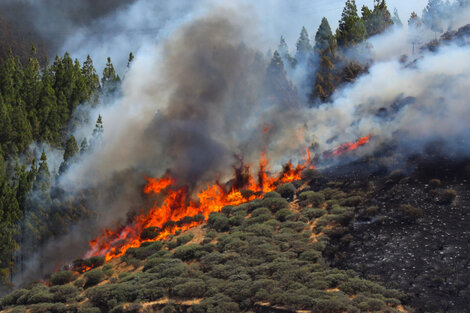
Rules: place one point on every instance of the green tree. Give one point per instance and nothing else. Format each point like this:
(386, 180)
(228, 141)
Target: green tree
(378, 20)
(110, 80)
(10, 214)
(351, 28)
(324, 38)
(325, 79)
(97, 136)
(432, 15)
(304, 47)
(283, 50)
(83, 146)
(71, 151)
(396, 18)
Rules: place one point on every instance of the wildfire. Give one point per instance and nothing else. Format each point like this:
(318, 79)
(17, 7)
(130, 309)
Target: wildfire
(180, 212)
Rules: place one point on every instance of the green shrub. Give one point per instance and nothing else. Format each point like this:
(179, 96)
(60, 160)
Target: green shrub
(187, 252)
(282, 214)
(260, 230)
(314, 198)
(287, 190)
(312, 213)
(12, 298)
(89, 310)
(261, 211)
(94, 277)
(218, 221)
(145, 250)
(236, 220)
(310, 255)
(275, 203)
(184, 239)
(49, 308)
(272, 194)
(61, 278)
(448, 196)
(410, 212)
(191, 289)
(65, 293)
(39, 296)
(353, 201)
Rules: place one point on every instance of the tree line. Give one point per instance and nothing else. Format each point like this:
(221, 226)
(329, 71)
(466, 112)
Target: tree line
(38, 105)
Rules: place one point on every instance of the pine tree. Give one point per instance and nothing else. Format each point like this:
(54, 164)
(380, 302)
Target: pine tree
(97, 136)
(325, 79)
(304, 48)
(378, 20)
(110, 80)
(83, 146)
(71, 151)
(324, 38)
(278, 86)
(129, 61)
(351, 28)
(432, 15)
(396, 18)
(283, 50)
(92, 80)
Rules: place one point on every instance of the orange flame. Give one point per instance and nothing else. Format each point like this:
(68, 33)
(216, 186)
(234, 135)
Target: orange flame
(351, 145)
(169, 217)
(179, 212)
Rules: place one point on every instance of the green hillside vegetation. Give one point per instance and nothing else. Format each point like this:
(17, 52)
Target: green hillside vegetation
(267, 253)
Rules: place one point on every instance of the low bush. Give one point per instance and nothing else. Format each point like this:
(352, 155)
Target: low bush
(272, 194)
(184, 239)
(410, 212)
(191, 289)
(352, 201)
(316, 199)
(448, 196)
(12, 298)
(282, 214)
(94, 277)
(150, 233)
(312, 213)
(275, 204)
(287, 190)
(435, 183)
(145, 250)
(187, 252)
(218, 221)
(63, 277)
(65, 293)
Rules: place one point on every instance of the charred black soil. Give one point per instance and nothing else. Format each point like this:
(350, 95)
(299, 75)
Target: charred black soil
(412, 232)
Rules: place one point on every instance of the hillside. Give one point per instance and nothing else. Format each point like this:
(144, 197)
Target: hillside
(267, 255)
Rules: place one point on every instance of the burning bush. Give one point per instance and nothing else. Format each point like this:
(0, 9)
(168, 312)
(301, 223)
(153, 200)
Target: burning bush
(82, 265)
(150, 233)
